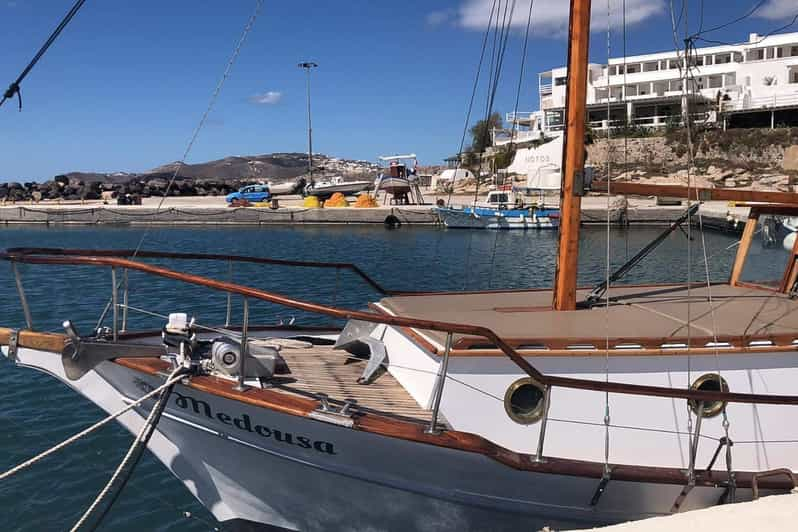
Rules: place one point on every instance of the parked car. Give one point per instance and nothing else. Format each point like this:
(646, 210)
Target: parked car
(251, 193)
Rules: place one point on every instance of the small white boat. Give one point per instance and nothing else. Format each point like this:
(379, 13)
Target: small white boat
(293, 186)
(326, 188)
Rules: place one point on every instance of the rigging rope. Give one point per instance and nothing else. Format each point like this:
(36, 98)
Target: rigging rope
(515, 122)
(608, 266)
(503, 33)
(214, 96)
(89, 430)
(521, 73)
(14, 88)
(133, 454)
(471, 102)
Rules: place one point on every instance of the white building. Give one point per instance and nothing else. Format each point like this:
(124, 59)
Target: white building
(758, 78)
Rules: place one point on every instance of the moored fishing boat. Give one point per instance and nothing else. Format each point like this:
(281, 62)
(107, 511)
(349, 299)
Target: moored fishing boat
(502, 209)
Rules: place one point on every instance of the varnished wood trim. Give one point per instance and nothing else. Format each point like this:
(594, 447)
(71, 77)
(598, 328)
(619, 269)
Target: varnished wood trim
(462, 441)
(523, 309)
(757, 286)
(784, 209)
(468, 343)
(790, 270)
(614, 352)
(701, 194)
(398, 321)
(745, 245)
(299, 329)
(35, 340)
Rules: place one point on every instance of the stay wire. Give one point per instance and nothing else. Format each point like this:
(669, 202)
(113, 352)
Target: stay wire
(502, 48)
(626, 136)
(195, 134)
(521, 73)
(758, 41)
(725, 25)
(471, 102)
(14, 88)
(214, 96)
(491, 75)
(608, 250)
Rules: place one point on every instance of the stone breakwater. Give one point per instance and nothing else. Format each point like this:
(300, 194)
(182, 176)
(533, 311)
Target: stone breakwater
(73, 188)
(212, 178)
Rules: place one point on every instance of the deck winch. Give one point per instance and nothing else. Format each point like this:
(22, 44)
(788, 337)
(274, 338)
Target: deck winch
(221, 354)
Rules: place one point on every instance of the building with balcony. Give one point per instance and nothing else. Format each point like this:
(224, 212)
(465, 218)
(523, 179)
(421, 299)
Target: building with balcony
(754, 83)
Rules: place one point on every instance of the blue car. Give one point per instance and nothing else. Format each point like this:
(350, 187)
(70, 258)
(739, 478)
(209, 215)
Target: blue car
(253, 193)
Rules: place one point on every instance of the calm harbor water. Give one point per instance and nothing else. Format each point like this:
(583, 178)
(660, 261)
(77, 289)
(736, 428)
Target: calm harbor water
(37, 411)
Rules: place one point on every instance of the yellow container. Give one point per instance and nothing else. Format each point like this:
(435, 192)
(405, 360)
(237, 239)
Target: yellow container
(311, 202)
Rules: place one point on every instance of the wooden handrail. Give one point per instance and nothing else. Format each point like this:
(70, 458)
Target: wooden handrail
(130, 253)
(781, 200)
(398, 321)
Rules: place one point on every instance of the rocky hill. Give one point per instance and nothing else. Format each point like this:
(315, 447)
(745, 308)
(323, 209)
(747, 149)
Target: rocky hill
(208, 178)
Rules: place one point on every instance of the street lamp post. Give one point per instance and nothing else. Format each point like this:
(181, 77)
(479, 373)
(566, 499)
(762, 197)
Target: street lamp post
(308, 65)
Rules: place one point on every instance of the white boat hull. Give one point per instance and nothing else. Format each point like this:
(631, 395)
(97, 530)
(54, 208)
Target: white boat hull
(347, 189)
(261, 466)
(456, 219)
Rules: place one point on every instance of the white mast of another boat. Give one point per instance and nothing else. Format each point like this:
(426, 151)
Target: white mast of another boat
(308, 66)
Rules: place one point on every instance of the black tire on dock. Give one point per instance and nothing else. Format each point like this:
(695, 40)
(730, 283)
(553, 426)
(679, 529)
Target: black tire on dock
(392, 222)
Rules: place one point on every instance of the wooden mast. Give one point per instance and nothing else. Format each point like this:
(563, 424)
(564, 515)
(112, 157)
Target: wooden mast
(573, 156)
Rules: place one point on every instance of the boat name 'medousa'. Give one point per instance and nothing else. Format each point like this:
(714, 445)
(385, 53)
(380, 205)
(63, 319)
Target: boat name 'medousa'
(244, 423)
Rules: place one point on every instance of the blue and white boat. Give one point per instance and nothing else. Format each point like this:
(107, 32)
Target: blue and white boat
(505, 209)
(493, 218)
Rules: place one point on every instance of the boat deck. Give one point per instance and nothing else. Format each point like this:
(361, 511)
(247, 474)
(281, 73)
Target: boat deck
(320, 369)
(659, 313)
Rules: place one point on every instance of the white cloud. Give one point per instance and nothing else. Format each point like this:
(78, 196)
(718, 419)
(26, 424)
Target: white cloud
(443, 16)
(550, 17)
(266, 98)
(778, 9)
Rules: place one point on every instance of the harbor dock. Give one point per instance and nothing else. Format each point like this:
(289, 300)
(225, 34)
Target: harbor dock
(717, 215)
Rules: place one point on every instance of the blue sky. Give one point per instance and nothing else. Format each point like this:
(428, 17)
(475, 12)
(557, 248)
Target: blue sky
(126, 83)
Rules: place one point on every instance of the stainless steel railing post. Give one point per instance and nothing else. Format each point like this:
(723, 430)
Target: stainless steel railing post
(542, 435)
(124, 300)
(694, 443)
(229, 294)
(22, 299)
(240, 387)
(115, 304)
(438, 390)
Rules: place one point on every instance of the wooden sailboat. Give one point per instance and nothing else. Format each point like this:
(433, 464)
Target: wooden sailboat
(469, 411)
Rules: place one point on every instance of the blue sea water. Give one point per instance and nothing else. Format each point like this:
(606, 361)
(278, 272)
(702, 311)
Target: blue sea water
(37, 411)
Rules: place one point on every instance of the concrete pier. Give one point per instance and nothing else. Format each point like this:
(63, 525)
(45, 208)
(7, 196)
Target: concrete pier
(212, 211)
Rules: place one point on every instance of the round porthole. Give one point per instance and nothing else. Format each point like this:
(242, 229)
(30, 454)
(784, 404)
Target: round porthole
(710, 382)
(525, 401)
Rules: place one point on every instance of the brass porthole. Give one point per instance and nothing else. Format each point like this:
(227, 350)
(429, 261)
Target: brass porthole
(709, 382)
(525, 401)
